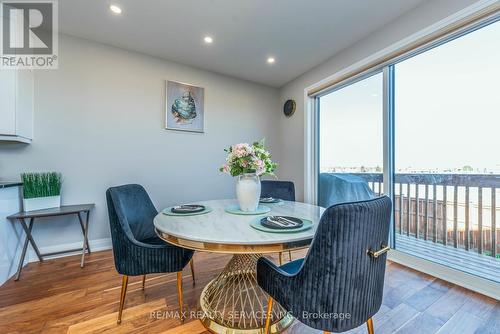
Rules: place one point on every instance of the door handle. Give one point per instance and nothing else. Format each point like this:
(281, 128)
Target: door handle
(376, 254)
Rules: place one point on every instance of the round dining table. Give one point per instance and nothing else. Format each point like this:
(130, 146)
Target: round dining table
(233, 302)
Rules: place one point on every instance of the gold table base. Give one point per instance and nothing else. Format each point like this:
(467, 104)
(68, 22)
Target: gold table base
(233, 303)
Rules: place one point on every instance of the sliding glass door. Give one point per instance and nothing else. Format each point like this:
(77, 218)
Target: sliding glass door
(441, 148)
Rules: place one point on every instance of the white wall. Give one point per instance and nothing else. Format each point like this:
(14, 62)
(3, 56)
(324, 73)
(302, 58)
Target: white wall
(99, 120)
(291, 141)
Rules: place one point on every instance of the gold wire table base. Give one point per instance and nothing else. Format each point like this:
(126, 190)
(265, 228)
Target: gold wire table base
(233, 303)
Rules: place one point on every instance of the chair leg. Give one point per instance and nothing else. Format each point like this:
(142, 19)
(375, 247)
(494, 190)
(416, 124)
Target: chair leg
(369, 324)
(179, 294)
(191, 264)
(290, 255)
(268, 314)
(281, 258)
(122, 298)
(143, 281)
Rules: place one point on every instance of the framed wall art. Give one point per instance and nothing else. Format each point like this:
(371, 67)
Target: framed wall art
(185, 109)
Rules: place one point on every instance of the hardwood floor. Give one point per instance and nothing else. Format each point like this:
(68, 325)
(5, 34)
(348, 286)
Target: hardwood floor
(58, 296)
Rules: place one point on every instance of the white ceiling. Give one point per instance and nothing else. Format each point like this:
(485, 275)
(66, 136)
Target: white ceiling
(300, 34)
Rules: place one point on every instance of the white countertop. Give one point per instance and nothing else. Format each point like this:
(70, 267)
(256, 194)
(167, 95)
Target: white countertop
(6, 184)
(219, 226)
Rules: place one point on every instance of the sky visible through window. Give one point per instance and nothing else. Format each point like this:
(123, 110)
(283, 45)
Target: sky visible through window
(351, 127)
(447, 116)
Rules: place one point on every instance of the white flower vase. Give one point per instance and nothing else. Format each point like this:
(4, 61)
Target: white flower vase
(248, 191)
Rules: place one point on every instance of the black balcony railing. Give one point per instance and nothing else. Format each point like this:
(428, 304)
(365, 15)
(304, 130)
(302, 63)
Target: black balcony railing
(456, 210)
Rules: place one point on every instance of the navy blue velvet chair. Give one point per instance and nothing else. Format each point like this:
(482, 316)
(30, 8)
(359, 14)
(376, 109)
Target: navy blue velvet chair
(137, 249)
(342, 273)
(284, 190)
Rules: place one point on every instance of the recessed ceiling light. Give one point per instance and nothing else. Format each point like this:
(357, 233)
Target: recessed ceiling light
(208, 40)
(271, 60)
(115, 9)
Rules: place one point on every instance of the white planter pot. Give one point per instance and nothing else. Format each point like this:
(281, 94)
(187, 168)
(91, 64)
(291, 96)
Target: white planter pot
(248, 191)
(41, 203)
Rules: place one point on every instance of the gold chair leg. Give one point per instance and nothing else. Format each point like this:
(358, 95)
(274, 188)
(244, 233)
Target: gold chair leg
(369, 324)
(179, 294)
(290, 255)
(268, 313)
(191, 264)
(281, 258)
(143, 281)
(122, 298)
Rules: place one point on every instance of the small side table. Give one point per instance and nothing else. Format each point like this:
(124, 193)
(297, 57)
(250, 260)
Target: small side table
(65, 210)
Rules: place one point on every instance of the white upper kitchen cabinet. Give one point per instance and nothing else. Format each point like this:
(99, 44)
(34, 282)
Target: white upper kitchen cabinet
(16, 105)
(7, 102)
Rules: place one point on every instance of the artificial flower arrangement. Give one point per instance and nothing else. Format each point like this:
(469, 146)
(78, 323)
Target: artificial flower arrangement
(41, 190)
(248, 159)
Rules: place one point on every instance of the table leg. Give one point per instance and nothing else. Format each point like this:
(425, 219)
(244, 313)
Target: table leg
(27, 230)
(83, 227)
(234, 303)
(85, 239)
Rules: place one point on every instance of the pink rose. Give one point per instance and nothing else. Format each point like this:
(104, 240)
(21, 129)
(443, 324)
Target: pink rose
(242, 150)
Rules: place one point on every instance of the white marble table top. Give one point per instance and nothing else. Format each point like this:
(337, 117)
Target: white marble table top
(220, 227)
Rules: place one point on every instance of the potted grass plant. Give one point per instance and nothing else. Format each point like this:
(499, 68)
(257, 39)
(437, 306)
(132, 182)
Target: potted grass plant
(41, 190)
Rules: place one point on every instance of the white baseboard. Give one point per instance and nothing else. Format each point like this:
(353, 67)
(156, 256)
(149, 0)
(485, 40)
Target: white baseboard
(95, 246)
(468, 281)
